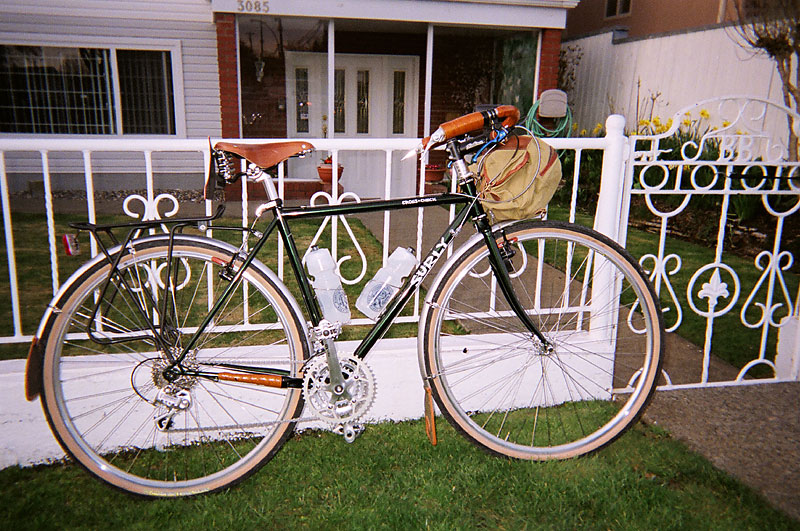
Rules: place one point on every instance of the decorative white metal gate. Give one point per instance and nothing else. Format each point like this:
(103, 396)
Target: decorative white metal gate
(713, 174)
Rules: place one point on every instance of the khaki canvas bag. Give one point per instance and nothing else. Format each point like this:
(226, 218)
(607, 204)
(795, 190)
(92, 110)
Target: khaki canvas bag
(518, 179)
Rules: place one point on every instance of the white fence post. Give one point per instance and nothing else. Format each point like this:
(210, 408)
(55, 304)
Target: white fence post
(787, 359)
(609, 201)
(606, 221)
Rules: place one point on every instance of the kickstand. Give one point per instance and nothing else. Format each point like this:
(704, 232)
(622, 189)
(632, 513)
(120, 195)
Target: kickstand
(430, 417)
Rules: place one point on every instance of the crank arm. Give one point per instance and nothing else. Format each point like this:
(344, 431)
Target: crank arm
(336, 385)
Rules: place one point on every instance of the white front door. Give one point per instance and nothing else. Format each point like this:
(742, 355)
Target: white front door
(375, 96)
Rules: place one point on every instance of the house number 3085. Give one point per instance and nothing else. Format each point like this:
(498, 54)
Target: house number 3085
(253, 6)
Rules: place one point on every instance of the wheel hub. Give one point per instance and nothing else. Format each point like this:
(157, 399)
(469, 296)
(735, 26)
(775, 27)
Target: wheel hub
(163, 375)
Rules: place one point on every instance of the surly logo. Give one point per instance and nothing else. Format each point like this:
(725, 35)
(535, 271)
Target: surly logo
(429, 262)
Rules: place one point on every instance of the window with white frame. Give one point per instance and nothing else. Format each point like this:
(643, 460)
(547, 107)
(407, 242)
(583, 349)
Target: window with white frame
(616, 8)
(92, 91)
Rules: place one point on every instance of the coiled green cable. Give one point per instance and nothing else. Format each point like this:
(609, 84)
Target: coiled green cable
(562, 127)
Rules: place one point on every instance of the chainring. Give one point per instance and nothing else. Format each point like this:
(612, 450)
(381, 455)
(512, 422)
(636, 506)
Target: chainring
(359, 383)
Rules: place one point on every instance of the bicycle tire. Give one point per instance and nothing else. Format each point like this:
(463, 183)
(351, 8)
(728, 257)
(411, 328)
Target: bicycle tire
(110, 407)
(505, 391)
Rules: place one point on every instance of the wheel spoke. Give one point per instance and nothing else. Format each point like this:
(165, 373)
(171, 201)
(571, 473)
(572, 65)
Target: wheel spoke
(515, 396)
(130, 425)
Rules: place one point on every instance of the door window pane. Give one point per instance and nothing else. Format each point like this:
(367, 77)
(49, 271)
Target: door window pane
(399, 103)
(362, 107)
(145, 84)
(301, 95)
(338, 101)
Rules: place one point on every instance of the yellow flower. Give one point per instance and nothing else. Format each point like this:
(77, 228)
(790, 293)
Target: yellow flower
(583, 132)
(687, 122)
(574, 127)
(644, 123)
(597, 129)
(657, 121)
(726, 123)
(704, 114)
(669, 123)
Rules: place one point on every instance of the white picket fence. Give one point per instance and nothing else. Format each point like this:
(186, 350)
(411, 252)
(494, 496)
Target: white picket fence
(635, 168)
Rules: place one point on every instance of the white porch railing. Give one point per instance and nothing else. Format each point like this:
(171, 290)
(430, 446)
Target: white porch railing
(626, 169)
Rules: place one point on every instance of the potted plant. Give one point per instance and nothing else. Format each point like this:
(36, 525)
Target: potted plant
(434, 173)
(325, 170)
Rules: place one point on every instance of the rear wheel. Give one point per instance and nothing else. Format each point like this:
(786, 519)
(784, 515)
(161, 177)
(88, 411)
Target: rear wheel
(512, 394)
(109, 402)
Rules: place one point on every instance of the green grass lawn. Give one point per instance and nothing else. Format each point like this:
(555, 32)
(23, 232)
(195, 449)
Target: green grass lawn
(392, 478)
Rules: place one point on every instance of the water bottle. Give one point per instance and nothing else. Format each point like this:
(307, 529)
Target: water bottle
(328, 286)
(386, 282)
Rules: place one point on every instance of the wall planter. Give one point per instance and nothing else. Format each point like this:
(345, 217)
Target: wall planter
(434, 173)
(325, 172)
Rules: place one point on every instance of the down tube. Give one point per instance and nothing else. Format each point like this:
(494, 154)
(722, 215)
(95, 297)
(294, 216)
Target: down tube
(411, 284)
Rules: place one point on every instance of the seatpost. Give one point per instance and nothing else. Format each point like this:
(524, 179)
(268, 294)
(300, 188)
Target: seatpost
(256, 174)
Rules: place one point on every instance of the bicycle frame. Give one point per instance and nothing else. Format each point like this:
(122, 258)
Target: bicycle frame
(471, 210)
(281, 223)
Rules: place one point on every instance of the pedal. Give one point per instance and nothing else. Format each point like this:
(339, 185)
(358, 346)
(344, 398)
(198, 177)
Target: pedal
(349, 431)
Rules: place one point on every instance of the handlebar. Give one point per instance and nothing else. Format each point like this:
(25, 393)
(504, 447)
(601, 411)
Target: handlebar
(504, 115)
(476, 120)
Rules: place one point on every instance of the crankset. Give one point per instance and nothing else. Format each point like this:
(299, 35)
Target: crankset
(340, 409)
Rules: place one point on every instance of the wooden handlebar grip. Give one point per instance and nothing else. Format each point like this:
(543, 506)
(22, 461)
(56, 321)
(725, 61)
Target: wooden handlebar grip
(509, 113)
(470, 122)
(462, 124)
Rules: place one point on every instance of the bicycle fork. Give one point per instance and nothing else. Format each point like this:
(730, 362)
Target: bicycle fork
(500, 264)
(497, 260)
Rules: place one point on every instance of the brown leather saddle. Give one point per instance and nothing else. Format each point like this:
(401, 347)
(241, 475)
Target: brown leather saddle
(265, 156)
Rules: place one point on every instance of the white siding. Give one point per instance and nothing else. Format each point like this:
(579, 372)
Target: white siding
(183, 10)
(685, 68)
(190, 22)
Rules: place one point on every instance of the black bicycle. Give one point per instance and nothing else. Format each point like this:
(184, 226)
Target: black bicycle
(176, 364)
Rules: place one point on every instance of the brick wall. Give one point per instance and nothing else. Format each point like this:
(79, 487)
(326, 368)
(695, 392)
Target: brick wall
(459, 64)
(548, 67)
(228, 76)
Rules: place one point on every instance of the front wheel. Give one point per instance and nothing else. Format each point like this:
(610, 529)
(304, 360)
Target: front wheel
(514, 395)
(113, 406)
